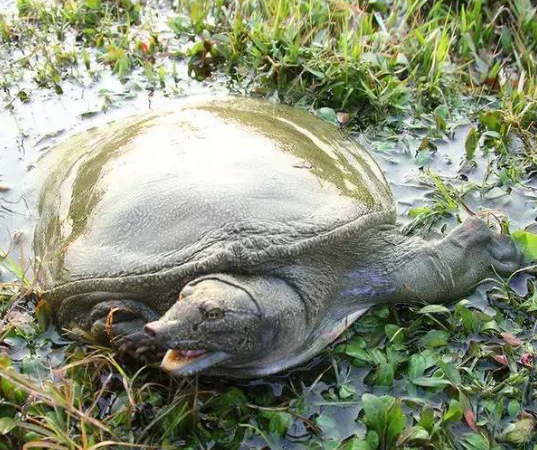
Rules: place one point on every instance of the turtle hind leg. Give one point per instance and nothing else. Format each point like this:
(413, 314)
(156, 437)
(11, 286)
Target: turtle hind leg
(485, 247)
(445, 270)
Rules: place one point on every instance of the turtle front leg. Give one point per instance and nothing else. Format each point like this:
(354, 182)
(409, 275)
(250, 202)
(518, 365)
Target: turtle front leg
(121, 323)
(450, 268)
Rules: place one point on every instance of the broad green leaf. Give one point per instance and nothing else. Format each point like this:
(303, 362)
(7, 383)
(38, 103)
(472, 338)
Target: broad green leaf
(435, 338)
(513, 408)
(491, 326)
(414, 434)
(419, 363)
(475, 441)
(346, 391)
(356, 444)
(492, 120)
(327, 114)
(440, 122)
(372, 439)
(234, 398)
(385, 374)
(279, 421)
(527, 243)
(470, 145)
(396, 422)
(451, 372)
(353, 349)
(470, 322)
(6, 425)
(93, 4)
(426, 144)
(454, 412)
(376, 413)
(518, 432)
(427, 418)
(327, 423)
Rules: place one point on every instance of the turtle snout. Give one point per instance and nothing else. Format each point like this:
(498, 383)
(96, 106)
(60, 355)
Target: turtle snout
(159, 330)
(151, 330)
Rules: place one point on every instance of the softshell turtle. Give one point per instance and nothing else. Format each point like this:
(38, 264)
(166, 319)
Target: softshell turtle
(239, 235)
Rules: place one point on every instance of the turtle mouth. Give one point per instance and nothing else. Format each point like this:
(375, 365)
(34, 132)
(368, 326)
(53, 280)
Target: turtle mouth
(188, 362)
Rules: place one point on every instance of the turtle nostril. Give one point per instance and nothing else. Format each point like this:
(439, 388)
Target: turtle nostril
(150, 331)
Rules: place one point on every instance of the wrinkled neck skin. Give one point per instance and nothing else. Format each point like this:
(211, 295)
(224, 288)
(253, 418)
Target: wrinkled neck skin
(325, 294)
(334, 286)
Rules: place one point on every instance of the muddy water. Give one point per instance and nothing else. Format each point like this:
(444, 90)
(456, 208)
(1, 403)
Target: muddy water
(407, 171)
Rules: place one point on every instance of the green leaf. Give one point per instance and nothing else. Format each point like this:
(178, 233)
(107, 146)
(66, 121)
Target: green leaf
(426, 144)
(279, 421)
(414, 434)
(492, 120)
(354, 350)
(327, 114)
(431, 382)
(470, 321)
(415, 212)
(470, 145)
(518, 432)
(440, 122)
(356, 444)
(451, 372)
(385, 374)
(431, 309)
(317, 73)
(513, 408)
(475, 441)
(454, 412)
(93, 4)
(327, 423)
(527, 243)
(86, 59)
(435, 338)
(372, 439)
(396, 422)
(395, 333)
(6, 425)
(346, 391)
(427, 418)
(419, 363)
(43, 314)
(376, 413)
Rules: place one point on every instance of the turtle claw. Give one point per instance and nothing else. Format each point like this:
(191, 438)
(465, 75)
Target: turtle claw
(127, 337)
(124, 348)
(142, 349)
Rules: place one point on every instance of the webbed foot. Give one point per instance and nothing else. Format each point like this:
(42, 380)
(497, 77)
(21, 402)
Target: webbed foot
(484, 249)
(121, 324)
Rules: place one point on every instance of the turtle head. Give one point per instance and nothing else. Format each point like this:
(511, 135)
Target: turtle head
(229, 321)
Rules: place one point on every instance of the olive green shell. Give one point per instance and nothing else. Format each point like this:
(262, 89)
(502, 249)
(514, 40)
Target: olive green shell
(216, 184)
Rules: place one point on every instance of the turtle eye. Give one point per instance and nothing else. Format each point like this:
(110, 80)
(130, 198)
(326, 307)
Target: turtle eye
(214, 314)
